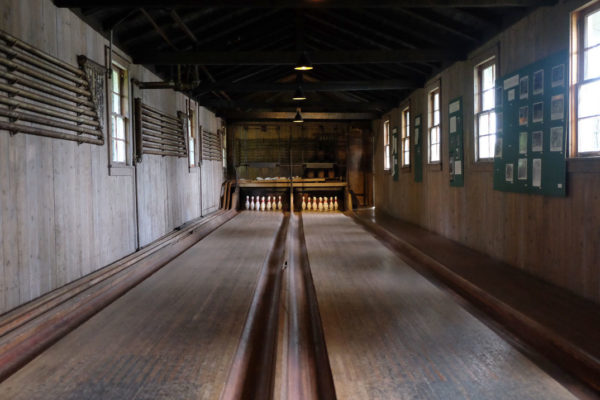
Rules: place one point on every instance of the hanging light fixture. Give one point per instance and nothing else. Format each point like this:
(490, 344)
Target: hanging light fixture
(299, 94)
(298, 118)
(303, 63)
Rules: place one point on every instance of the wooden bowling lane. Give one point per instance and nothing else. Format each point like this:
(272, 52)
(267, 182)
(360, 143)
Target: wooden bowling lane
(392, 334)
(171, 337)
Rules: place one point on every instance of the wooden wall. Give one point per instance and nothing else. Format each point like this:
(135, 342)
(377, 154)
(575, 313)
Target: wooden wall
(342, 138)
(556, 239)
(62, 215)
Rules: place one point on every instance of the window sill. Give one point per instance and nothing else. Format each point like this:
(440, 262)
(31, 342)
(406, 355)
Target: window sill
(583, 165)
(435, 167)
(486, 165)
(120, 170)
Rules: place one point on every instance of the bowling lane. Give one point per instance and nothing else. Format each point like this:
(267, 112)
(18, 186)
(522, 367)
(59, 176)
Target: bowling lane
(391, 334)
(171, 337)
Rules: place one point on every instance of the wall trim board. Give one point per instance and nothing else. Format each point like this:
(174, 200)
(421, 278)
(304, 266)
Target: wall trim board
(30, 329)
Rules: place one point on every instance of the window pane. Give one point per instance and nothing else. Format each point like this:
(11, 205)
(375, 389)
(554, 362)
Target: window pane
(492, 122)
(386, 158)
(116, 103)
(592, 29)
(120, 151)
(436, 118)
(592, 63)
(487, 78)
(488, 100)
(588, 100)
(484, 124)
(484, 147)
(435, 153)
(436, 101)
(588, 138)
(120, 132)
(113, 150)
(116, 81)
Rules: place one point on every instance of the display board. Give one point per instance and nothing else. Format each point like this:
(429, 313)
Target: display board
(395, 153)
(531, 109)
(418, 150)
(456, 144)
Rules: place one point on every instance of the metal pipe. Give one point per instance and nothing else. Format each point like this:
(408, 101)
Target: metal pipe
(45, 100)
(13, 54)
(48, 122)
(47, 133)
(46, 89)
(170, 130)
(38, 53)
(161, 114)
(164, 154)
(46, 111)
(161, 137)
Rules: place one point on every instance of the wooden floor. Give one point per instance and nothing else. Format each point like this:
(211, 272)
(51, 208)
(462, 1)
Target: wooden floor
(171, 337)
(391, 334)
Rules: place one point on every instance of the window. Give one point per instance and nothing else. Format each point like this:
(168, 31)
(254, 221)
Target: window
(485, 116)
(586, 81)
(119, 115)
(435, 150)
(386, 145)
(191, 128)
(406, 137)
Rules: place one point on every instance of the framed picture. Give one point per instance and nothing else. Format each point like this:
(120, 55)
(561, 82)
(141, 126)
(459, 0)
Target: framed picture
(522, 169)
(509, 173)
(558, 75)
(537, 141)
(538, 112)
(524, 88)
(538, 82)
(524, 116)
(523, 136)
(556, 138)
(557, 107)
(498, 148)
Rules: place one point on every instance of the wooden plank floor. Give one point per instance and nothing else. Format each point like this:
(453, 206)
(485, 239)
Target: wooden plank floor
(171, 337)
(392, 334)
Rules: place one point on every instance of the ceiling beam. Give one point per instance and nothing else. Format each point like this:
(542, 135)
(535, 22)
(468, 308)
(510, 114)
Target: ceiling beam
(291, 57)
(301, 3)
(307, 116)
(332, 86)
(349, 106)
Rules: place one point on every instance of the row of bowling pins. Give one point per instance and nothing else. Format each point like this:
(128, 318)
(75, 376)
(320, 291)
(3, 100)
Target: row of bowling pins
(261, 205)
(320, 204)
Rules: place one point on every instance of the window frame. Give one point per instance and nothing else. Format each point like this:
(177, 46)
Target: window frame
(124, 97)
(478, 105)
(192, 139)
(387, 148)
(405, 138)
(577, 80)
(430, 124)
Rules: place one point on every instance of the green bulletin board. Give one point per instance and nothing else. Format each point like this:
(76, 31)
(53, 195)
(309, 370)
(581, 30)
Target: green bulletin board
(418, 150)
(531, 109)
(456, 146)
(395, 152)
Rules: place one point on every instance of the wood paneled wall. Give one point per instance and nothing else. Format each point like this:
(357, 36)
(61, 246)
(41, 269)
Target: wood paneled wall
(62, 215)
(556, 239)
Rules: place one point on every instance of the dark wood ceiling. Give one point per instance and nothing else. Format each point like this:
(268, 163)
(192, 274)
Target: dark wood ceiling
(238, 55)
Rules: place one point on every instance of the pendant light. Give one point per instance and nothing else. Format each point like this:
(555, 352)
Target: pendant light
(303, 63)
(298, 118)
(299, 94)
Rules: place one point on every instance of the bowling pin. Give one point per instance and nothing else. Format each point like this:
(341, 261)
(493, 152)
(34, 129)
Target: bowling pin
(303, 203)
(247, 205)
(320, 204)
(279, 204)
(335, 205)
(325, 205)
(308, 204)
(314, 203)
(262, 204)
(269, 203)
